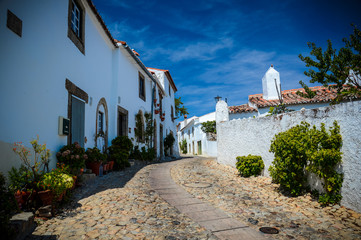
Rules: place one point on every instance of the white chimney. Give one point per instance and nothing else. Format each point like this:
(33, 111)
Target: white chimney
(270, 80)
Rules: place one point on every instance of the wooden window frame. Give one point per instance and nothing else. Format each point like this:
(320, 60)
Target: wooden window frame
(141, 87)
(78, 38)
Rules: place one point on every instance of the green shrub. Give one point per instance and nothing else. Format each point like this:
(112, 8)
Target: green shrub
(209, 127)
(302, 149)
(8, 207)
(250, 165)
(119, 152)
(183, 146)
(168, 143)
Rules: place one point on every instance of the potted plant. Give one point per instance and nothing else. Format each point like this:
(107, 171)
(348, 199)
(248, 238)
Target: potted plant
(55, 184)
(119, 151)
(74, 156)
(156, 111)
(21, 184)
(94, 159)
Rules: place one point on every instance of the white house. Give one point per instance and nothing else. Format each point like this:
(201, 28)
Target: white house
(58, 60)
(198, 142)
(260, 104)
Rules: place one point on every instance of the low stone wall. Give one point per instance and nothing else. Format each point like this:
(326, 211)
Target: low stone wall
(254, 135)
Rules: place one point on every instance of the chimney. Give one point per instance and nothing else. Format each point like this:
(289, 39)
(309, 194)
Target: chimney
(271, 84)
(185, 120)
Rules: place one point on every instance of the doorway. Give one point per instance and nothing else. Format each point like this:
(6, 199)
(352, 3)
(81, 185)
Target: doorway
(77, 121)
(199, 147)
(122, 122)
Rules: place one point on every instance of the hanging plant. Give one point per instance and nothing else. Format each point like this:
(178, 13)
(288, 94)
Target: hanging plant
(156, 111)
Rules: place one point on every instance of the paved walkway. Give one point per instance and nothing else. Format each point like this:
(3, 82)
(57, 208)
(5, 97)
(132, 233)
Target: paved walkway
(213, 219)
(194, 198)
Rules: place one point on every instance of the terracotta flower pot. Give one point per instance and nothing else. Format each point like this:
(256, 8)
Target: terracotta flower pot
(46, 197)
(19, 198)
(94, 166)
(111, 165)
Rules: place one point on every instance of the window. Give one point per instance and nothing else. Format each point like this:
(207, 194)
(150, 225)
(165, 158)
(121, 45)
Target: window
(100, 122)
(169, 91)
(192, 131)
(141, 87)
(14, 23)
(75, 19)
(171, 113)
(76, 24)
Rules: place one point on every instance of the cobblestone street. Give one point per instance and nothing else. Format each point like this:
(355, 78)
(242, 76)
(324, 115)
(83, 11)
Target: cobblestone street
(122, 205)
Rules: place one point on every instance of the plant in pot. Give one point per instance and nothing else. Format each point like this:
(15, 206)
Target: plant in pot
(95, 159)
(119, 152)
(21, 185)
(74, 156)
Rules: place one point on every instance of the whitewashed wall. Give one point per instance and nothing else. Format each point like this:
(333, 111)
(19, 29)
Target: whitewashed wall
(253, 136)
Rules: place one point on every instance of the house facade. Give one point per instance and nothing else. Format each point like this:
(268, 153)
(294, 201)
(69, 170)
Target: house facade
(63, 63)
(198, 142)
(260, 104)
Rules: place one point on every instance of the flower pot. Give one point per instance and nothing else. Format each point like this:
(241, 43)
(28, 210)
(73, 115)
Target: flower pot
(156, 111)
(111, 165)
(94, 166)
(46, 197)
(28, 196)
(105, 168)
(19, 198)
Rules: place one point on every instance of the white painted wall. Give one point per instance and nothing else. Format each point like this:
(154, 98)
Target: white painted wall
(34, 68)
(209, 148)
(253, 136)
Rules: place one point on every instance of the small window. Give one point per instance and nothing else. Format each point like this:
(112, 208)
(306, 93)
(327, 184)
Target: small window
(141, 87)
(171, 113)
(100, 122)
(14, 23)
(75, 19)
(192, 131)
(76, 24)
(169, 91)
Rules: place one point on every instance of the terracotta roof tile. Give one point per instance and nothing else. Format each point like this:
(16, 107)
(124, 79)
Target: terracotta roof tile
(241, 109)
(290, 97)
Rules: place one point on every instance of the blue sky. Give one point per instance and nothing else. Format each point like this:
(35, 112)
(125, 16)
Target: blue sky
(224, 47)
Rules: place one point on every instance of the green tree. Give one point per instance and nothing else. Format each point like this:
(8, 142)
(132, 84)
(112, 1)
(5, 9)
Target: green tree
(335, 69)
(209, 127)
(180, 109)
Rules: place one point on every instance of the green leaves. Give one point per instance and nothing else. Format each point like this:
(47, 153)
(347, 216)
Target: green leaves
(335, 67)
(302, 149)
(209, 127)
(250, 165)
(180, 110)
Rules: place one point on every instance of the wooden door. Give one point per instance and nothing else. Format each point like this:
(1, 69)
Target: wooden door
(77, 121)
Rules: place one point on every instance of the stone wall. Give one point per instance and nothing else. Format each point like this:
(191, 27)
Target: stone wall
(254, 135)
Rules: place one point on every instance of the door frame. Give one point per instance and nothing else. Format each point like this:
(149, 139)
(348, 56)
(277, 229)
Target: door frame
(73, 90)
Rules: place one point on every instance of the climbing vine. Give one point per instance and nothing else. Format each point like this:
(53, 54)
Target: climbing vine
(301, 150)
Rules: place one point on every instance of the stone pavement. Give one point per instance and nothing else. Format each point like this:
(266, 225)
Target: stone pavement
(257, 202)
(213, 219)
(142, 202)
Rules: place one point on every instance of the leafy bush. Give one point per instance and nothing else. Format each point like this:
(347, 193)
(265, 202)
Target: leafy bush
(94, 155)
(20, 179)
(72, 155)
(302, 149)
(147, 155)
(119, 152)
(7, 207)
(183, 146)
(209, 127)
(250, 165)
(168, 143)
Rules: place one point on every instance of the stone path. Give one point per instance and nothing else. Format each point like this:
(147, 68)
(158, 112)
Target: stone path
(257, 202)
(143, 202)
(213, 219)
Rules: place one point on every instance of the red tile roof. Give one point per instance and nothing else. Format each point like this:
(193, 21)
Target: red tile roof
(323, 94)
(241, 109)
